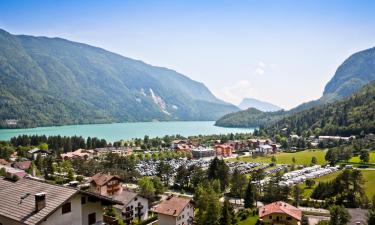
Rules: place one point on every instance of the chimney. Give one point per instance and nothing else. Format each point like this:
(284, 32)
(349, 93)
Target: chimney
(40, 201)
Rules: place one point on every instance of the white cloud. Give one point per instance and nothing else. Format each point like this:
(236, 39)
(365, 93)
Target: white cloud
(236, 92)
(260, 69)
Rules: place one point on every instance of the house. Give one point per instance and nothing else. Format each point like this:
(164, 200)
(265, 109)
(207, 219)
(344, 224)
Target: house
(79, 153)
(335, 138)
(294, 137)
(33, 153)
(175, 143)
(257, 142)
(275, 147)
(122, 151)
(263, 150)
(135, 207)
(24, 165)
(236, 145)
(223, 150)
(175, 211)
(105, 184)
(183, 148)
(280, 213)
(13, 172)
(31, 202)
(201, 152)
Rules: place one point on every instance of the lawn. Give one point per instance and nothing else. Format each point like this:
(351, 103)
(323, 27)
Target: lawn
(368, 175)
(251, 220)
(302, 158)
(356, 159)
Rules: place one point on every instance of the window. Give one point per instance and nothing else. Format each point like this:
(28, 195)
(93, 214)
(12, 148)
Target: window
(66, 208)
(270, 217)
(289, 218)
(135, 199)
(92, 218)
(83, 200)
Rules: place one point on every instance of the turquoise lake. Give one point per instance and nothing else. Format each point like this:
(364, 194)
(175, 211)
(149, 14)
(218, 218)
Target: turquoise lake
(125, 131)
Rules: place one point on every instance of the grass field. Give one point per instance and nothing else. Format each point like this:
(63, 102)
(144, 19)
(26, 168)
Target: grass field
(251, 220)
(357, 160)
(302, 158)
(368, 175)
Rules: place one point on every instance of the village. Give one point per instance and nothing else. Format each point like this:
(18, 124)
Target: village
(163, 193)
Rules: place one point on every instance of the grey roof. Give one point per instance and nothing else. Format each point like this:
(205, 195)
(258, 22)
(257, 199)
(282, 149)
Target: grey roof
(125, 197)
(11, 206)
(34, 150)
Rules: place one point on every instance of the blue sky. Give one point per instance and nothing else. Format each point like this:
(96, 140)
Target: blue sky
(279, 51)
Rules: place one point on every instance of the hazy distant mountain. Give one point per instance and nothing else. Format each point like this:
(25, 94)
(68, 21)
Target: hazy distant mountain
(257, 104)
(52, 81)
(355, 72)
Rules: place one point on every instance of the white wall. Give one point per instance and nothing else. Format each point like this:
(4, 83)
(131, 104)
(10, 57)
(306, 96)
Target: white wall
(183, 218)
(73, 217)
(166, 220)
(79, 213)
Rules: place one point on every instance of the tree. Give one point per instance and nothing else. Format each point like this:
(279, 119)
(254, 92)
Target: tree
(3, 172)
(182, 177)
(314, 160)
(249, 196)
(371, 213)
(208, 205)
(364, 156)
(158, 185)
(294, 160)
(226, 214)
(164, 171)
(146, 187)
(273, 159)
(238, 182)
(297, 195)
(43, 146)
(309, 183)
(339, 215)
(331, 156)
(219, 170)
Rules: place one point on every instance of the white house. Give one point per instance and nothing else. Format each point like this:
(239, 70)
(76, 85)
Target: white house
(135, 207)
(33, 202)
(175, 211)
(33, 153)
(264, 149)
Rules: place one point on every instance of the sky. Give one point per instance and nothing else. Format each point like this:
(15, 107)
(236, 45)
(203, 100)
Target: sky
(280, 51)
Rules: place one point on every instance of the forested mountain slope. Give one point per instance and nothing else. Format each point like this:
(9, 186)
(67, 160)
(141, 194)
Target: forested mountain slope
(349, 116)
(52, 81)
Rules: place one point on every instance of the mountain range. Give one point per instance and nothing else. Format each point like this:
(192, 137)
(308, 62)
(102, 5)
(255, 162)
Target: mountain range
(258, 104)
(355, 72)
(351, 115)
(53, 81)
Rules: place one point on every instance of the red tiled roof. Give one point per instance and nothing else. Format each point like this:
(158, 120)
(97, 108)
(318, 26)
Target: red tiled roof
(280, 207)
(173, 206)
(22, 165)
(102, 178)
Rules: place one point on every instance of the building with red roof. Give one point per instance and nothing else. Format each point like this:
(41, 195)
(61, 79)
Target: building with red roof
(223, 150)
(280, 213)
(175, 211)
